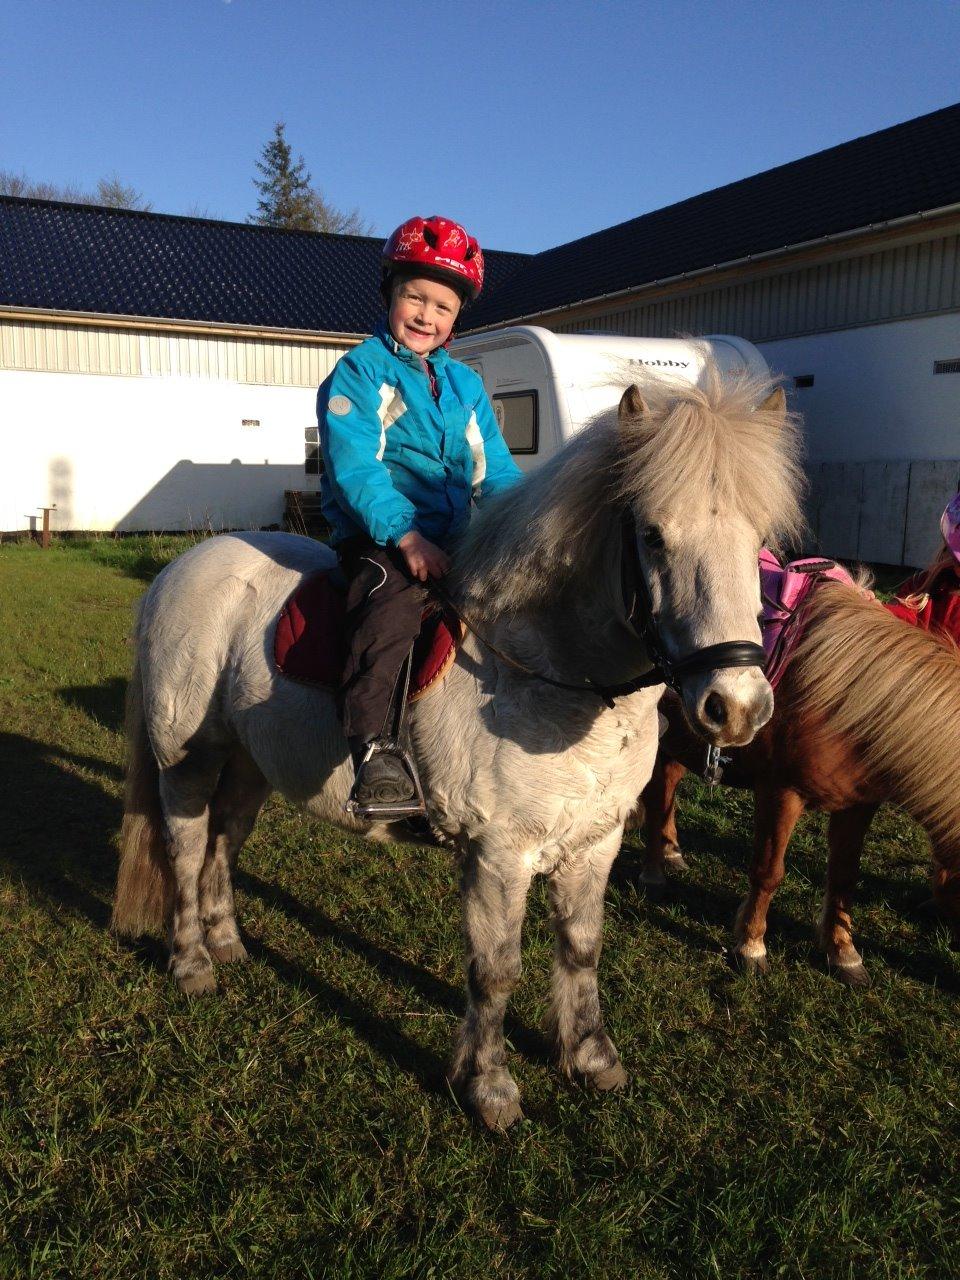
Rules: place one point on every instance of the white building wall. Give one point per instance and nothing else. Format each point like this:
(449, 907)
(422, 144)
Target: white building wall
(882, 434)
(130, 453)
(875, 395)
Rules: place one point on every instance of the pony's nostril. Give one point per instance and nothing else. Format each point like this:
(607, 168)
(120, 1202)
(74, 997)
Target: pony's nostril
(716, 709)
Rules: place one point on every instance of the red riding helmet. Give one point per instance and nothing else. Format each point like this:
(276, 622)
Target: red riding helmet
(439, 249)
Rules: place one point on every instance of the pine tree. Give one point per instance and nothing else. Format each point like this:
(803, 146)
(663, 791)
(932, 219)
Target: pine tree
(286, 199)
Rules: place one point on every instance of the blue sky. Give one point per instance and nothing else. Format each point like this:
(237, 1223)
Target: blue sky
(533, 123)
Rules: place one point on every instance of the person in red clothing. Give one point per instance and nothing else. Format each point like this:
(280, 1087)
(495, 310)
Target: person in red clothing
(931, 598)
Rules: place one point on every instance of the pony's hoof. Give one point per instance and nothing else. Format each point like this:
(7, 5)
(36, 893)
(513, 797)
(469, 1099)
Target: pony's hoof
(229, 953)
(608, 1079)
(198, 984)
(851, 975)
(653, 884)
(675, 861)
(752, 966)
(500, 1116)
(494, 1101)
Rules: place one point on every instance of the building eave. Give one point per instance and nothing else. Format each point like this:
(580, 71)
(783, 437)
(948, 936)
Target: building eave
(928, 219)
(39, 315)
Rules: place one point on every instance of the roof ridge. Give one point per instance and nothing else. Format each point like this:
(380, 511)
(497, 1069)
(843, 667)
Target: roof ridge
(116, 211)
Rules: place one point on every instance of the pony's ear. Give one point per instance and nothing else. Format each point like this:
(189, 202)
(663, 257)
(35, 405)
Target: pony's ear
(632, 405)
(775, 403)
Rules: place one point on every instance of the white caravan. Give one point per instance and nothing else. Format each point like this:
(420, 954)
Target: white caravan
(544, 386)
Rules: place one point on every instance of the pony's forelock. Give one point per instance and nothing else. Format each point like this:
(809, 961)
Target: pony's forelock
(716, 440)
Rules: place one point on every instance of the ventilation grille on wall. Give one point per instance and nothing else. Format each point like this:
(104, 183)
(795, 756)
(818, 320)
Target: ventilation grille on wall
(946, 366)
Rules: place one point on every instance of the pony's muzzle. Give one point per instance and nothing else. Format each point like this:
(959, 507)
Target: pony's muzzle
(728, 707)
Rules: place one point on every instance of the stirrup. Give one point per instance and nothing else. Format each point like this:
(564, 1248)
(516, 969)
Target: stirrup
(416, 806)
(372, 810)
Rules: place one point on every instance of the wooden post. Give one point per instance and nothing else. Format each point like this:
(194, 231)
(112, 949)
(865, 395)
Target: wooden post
(45, 535)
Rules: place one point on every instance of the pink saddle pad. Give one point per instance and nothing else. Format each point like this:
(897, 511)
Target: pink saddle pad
(783, 590)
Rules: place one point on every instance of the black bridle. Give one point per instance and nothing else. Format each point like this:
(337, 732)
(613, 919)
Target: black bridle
(642, 619)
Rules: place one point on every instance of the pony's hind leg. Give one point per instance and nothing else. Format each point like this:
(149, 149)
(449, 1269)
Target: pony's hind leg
(494, 895)
(185, 792)
(845, 835)
(239, 797)
(577, 892)
(662, 850)
(946, 886)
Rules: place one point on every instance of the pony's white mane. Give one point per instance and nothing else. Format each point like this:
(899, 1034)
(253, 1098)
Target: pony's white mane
(693, 441)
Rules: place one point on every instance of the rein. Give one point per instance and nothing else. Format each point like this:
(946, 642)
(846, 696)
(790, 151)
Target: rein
(642, 619)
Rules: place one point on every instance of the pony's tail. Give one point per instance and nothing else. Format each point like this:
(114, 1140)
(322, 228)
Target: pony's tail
(144, 882)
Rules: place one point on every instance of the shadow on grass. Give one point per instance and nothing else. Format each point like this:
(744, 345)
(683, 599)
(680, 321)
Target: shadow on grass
(103, 703)
(56, 828)
(394, 969)
(706, 909)
(56, 838)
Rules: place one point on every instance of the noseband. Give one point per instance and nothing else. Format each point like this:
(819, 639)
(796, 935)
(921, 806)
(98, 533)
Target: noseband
(642, 619)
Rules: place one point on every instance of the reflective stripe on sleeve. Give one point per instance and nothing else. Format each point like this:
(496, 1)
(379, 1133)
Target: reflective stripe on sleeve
(391, 407)
(475, 441)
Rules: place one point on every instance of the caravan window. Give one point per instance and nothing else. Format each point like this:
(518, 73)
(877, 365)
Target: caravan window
(517, 414)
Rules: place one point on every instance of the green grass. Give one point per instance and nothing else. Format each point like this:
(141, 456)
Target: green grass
(298, 1124)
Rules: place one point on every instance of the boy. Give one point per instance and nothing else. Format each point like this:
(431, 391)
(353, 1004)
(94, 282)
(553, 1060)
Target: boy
(408, 439)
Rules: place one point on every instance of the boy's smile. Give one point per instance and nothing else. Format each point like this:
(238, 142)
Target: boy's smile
(422, 314)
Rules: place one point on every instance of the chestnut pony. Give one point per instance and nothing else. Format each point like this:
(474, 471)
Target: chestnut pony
(867, 711)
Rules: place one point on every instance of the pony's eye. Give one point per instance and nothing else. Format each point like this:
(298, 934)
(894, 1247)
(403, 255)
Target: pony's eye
(652, 537)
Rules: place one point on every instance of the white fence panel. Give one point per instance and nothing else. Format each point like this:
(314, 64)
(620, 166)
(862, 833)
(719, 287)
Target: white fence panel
(882, 512)
(932, 484)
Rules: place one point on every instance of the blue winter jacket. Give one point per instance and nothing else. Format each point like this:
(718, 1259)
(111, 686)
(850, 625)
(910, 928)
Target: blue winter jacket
(395, 458)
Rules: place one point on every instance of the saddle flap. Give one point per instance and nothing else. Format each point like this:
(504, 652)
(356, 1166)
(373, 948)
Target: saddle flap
(309, 642)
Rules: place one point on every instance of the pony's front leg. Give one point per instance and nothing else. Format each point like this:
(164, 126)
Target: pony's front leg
(777, 810)
(845, 836)
(576, 891)
(494, 895)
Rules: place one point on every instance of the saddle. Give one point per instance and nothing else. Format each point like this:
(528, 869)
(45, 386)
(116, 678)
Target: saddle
(309, 642)
(783, 591)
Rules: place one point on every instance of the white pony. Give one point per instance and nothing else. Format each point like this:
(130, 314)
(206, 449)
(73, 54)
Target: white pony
(522, 776)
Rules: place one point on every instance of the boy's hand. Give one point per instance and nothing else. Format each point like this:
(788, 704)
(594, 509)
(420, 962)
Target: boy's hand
(423, 558)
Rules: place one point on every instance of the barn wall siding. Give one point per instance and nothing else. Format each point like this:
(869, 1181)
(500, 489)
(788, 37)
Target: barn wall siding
(911, 280)
(34, 347)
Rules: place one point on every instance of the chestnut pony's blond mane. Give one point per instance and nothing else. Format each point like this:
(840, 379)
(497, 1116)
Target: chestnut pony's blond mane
(894, 689)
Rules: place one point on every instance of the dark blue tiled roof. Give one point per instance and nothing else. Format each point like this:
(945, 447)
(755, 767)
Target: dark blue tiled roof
(69, 257)
(896, 172)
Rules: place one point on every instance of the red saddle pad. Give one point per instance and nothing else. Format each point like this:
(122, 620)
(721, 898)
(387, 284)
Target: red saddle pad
(309, 644)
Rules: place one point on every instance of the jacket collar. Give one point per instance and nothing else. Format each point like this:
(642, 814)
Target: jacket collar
(437, 358)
